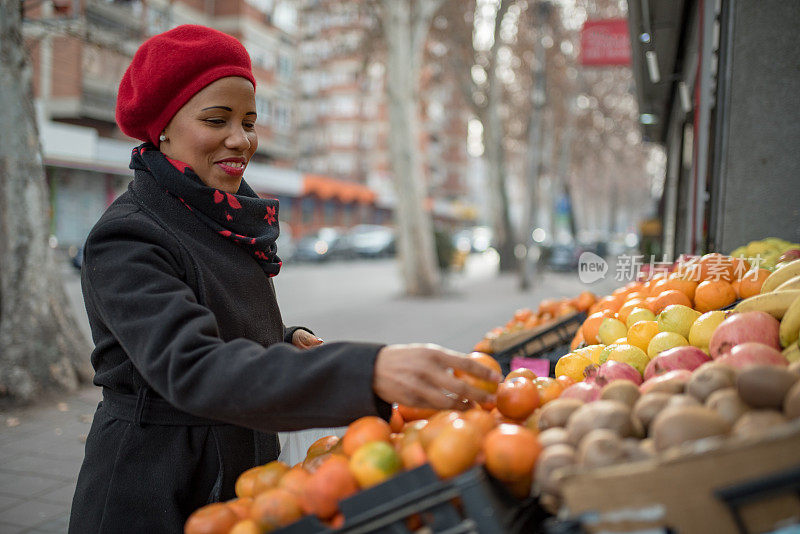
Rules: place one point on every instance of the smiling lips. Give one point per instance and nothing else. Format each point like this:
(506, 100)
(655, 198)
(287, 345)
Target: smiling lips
(234, 167)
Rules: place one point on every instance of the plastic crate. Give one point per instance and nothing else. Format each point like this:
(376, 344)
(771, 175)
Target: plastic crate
(469, 503)
(551, 342)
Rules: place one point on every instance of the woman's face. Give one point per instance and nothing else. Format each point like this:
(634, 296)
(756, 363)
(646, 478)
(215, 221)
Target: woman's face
(214, 132)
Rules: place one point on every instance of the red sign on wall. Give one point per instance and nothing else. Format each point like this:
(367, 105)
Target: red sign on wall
(605, 43)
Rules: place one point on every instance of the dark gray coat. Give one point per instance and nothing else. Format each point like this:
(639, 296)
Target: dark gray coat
(196, 376)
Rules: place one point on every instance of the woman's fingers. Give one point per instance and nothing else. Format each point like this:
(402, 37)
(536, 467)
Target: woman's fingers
(419, 375)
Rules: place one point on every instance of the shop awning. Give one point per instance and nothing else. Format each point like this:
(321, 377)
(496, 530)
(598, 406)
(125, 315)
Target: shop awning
(327, 188)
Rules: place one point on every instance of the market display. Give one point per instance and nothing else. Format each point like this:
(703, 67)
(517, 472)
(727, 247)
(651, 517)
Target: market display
(706, 350)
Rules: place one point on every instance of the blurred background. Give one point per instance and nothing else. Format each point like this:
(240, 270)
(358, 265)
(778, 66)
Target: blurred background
(526, 144)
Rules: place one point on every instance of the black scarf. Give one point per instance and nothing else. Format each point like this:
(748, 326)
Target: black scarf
(248, 220)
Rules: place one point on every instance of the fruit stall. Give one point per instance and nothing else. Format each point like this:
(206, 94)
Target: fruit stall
(670, 405)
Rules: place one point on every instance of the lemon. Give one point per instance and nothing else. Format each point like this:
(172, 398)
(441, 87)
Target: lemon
(677, 318)
(640, 314)
(611, 329)
(592, 352)
(703, 327)
(665, 341)
(572, 365)
(630, 354)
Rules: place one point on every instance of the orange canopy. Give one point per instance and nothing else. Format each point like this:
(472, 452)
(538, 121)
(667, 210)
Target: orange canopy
(326, 188)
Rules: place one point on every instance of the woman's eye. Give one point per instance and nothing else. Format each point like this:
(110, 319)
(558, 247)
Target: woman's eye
(249, 125)
(215, 121)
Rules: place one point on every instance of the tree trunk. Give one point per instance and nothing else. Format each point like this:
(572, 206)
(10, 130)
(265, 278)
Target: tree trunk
(494, 134)
(41, 346)
(405, 39)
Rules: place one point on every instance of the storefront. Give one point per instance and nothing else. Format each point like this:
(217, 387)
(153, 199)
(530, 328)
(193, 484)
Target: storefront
(717, 84)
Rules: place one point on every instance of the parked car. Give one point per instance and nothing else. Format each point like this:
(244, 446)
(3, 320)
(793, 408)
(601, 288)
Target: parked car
(369, 241)
(318, 246)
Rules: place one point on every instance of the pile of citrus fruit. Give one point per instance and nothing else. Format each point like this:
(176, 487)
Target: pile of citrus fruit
(548, 311)
(502, 436)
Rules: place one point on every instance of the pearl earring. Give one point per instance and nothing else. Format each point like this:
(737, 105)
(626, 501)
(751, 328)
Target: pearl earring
(162, 138)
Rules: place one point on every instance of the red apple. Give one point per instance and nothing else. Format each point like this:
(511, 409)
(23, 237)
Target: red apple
(687, 357)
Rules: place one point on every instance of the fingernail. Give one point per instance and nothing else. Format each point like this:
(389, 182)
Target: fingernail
(319, 339)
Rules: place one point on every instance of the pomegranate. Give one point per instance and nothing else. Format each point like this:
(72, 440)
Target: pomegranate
(686, 357)
(742, 327)
(585, 391)
(612, 370)
(670, 382)
(751, 353)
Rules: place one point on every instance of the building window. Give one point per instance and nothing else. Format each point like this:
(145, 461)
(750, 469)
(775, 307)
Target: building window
(284, 66)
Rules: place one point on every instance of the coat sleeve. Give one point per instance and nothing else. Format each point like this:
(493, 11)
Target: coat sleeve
(136, 283)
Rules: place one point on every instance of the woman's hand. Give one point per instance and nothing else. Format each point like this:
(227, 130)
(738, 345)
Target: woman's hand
(303, 339)
(420, 375)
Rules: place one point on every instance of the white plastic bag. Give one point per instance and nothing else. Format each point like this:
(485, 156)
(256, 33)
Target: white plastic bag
(294, 445)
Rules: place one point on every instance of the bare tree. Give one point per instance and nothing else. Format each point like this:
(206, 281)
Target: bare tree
(41, 346)
(405, 28)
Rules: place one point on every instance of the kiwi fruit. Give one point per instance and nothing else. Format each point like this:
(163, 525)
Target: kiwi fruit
(791, 404)
(682, 399)
(728, 404)
(553, 436)
(648, 406)
(674, 426)
(621, 390)
(555, 413)
(710, 377)
(765, 386)
(634, 451)
(795, 367)
(553, 458)
(756, 423)
(609, 414)
(599, 448)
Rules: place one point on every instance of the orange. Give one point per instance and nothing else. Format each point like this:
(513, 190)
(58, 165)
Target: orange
(612, 303)
(640, 333)
(572, 365)
(435, 426)
(716, 267)
(740, 267)
(409, 413)
(628, 307)
(366, 429)
(585, 300)
(412, 455)
(517, 398)
(480, 419)
(592, 324)
(523, 315)
(455, 449)
(486, 361)
(548, 306)
(396, 421)
(294, 481)
(246, 526)
(322, 446)
(533, 322)
(241, 506)
(713, 295)
(275, 508)
(329, 484)
(565, 381)
(577, 340)
(374, 462)
(750, 284)
(484, 345)
(511, 452)
(669, 297)
(549, 389)
(216, 518)
(658, 286)
(259, 478)
(684, 285)
(523, 372)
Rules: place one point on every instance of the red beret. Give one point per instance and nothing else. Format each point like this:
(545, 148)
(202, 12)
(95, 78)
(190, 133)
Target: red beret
(170, 68)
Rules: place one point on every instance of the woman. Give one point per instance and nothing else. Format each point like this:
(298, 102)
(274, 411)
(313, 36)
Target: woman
(189, 339)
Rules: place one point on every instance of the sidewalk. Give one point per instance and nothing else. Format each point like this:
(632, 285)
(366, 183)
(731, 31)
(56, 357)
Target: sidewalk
(42, 446)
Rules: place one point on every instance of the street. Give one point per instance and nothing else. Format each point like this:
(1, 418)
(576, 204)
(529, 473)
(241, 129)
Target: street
(41, 446)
